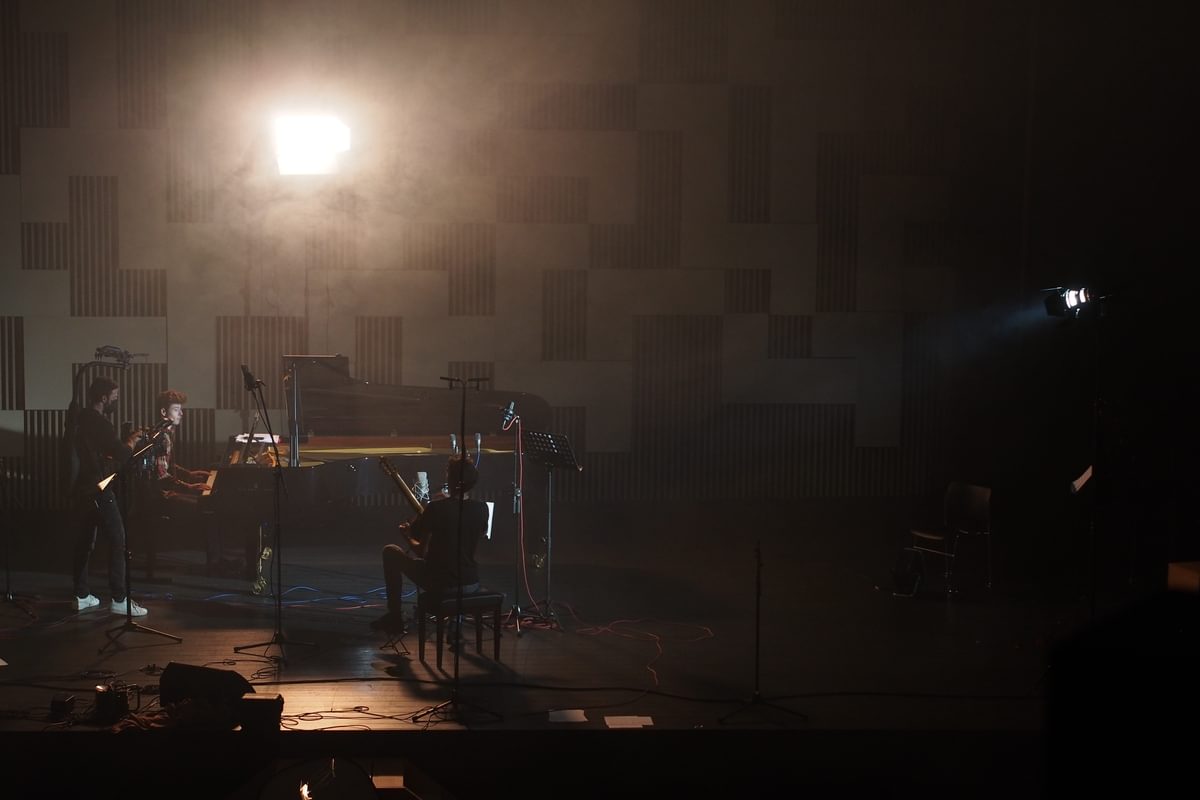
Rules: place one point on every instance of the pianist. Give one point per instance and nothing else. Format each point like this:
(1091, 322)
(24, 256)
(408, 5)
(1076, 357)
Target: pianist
(429, 557)
(178, 487)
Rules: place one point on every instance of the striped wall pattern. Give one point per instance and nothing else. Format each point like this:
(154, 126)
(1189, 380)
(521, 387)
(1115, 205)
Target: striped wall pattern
(42, 78)
(331, 245)
(929, 245)
(750, 154)
(472, 152)
(839, 170)
(196, 444)
(684, 41)
(564, 315)
(653, 241)
(747, 291)
(473, 369)
(451, 16)
(259, 343)
(14, 487)
(472, 284)
(12, 363)
(441, 246)
(922, 405)
(191, 182)
(676, 394)
(867, 19)
(98, 287)
(40, 481)
(379, 349)
(142, 48)
(789, 336)
(45, 245)
(541, 199)
(567, 106)
(10, 88)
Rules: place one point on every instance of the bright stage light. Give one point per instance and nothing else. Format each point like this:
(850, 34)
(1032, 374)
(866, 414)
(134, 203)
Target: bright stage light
(309, 144)
(1063, 302)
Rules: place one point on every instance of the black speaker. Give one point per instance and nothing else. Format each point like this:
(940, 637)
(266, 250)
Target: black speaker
(220, 687)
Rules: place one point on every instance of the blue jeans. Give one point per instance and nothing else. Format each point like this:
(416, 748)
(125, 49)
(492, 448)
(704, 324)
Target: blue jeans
(104, 516)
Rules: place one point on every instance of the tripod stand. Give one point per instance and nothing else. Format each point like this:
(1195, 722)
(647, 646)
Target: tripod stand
(278, 639)
(551, 450)
(756, 700)
(455, 705)
(123, 489)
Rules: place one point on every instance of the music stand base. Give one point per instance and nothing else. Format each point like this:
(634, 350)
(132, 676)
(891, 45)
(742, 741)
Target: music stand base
(277, 640)
(756, 701)
(114, 634)
(454, 708)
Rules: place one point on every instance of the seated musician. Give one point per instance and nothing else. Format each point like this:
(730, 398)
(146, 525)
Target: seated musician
(180, 488)
(430, 556)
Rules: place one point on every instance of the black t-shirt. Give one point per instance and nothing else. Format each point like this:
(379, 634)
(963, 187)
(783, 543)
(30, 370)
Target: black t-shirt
(437, 526)
(100, 451)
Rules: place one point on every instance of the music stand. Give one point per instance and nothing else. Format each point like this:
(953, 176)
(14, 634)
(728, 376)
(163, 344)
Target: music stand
(277, 637)
(551, 450)
(123, 489)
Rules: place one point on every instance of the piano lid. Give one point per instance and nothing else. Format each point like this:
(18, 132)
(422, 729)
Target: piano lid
(335, 404)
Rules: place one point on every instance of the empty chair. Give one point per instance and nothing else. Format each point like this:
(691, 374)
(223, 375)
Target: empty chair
(966, 512)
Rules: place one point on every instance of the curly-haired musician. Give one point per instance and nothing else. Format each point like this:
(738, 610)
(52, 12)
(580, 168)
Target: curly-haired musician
(430, 559)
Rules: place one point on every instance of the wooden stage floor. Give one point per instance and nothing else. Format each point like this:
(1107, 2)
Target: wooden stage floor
(644, 674)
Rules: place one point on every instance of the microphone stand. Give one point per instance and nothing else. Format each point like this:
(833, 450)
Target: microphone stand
(278, 639)
(454, 706)
(756, 700)
(113, 634)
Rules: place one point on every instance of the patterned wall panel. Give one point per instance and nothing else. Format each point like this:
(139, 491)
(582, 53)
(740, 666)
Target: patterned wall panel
(42, 77)
(469, 256)
(441, 246)
(565, 106)
(44, 245)
(747, 291)
(787, 450)
(451, 16)
(98, 287)
(259, 343)
(684, 41)
(14, 486)
(12, 363)
(541, 199)
(472, 152)
(564, 315)
(142, 48)
(838, 173)
(676, 396)
(789, 336)
(652, 242)
(571, 422)
(191, 181)
(10, 116)
(196, 440)
(43, 474)
(463, 370)
(750, 154)
(378, 349)
(922, 448)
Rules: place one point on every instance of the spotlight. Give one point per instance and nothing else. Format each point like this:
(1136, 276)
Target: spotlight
(309, 144)
(1063, 302)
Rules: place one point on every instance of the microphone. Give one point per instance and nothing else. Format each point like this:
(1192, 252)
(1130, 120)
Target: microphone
(509, 413)
(478, 446)
(248, 379)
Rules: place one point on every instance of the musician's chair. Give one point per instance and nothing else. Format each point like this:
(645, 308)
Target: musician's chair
(443, 607)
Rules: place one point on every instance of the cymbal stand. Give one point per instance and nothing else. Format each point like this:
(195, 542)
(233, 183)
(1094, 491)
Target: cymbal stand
(278, 638)
(455, 706)
(123, 490)
(756, 700)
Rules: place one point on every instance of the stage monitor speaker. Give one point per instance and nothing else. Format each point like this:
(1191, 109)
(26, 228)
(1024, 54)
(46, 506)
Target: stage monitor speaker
(220, 687)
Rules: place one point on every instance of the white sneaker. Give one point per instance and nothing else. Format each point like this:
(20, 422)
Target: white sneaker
(120, 608)
(91, 601)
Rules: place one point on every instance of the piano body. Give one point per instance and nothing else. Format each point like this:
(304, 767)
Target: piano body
(344, 426)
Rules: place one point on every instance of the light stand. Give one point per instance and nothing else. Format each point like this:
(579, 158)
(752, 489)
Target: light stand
(514, 613)
(455, 705)
(551, 450)
(756, 700)
(278, 639)
(123, 488)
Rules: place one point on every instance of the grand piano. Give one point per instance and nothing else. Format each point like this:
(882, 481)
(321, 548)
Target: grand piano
(338, 429)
